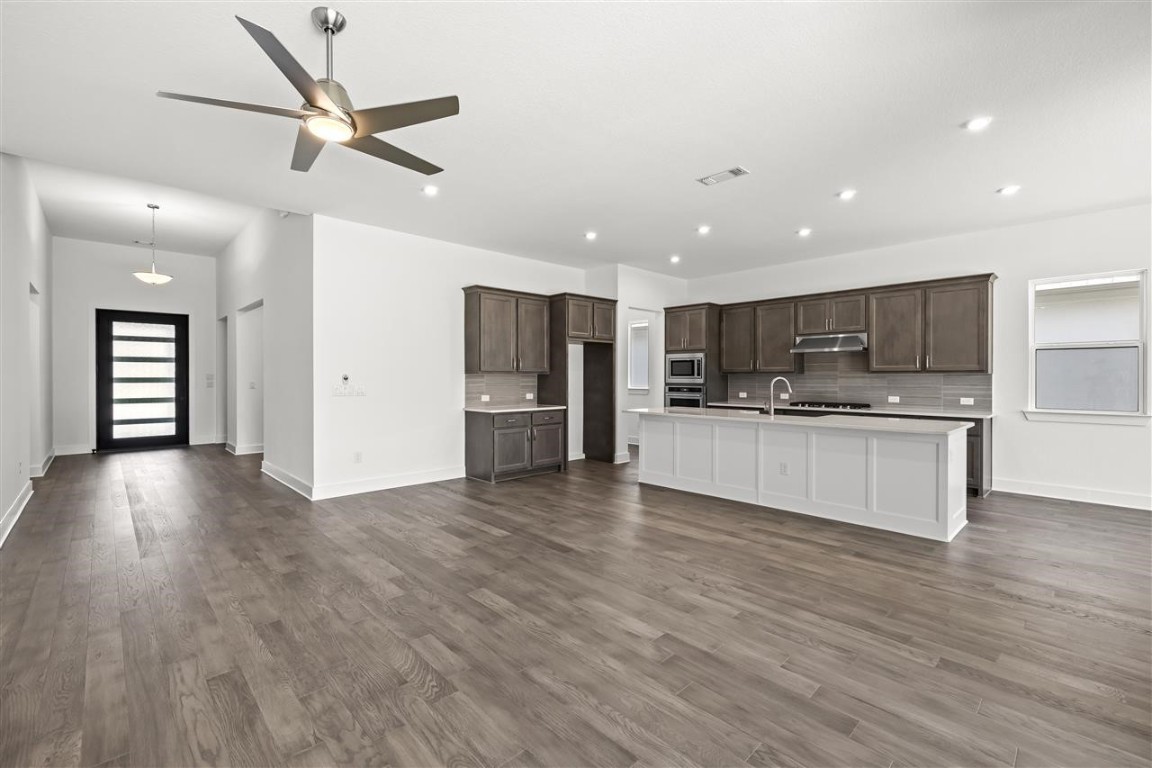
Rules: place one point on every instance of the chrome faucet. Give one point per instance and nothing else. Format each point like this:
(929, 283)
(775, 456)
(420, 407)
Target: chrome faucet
(772, 395)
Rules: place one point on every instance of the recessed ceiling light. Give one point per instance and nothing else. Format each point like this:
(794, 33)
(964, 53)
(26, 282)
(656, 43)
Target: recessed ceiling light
(431, 190)
(703, 229)
(978, 123)
(1011, 189)
(674, 259)
(589, 235)
(846, 194)
(804, 231)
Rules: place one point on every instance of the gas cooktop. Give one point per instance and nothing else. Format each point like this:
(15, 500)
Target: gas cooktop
(820, 404)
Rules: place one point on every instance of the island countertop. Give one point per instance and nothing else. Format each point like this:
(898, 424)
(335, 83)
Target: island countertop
(513, 408)
(833, 420)
(876, 410)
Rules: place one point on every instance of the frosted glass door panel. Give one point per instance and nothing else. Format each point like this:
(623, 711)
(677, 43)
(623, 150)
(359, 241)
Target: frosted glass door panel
(144, 329)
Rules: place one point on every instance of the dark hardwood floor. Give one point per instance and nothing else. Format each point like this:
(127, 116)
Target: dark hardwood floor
(177, 608)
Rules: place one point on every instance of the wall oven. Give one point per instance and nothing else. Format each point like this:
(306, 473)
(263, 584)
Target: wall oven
(686, 368)
(683, 396)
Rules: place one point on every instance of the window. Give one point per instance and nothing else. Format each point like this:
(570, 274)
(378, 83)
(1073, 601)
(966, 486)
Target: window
(1086, 351)
(638, 354)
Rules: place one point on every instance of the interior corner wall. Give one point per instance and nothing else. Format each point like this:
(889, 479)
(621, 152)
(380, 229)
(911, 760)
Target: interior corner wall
(271, 261)
(390, 314)
(641, 295)
(87, 276)
(1105, 463)
(24, 264)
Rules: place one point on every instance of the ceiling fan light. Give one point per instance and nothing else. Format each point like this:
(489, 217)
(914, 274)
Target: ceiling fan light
(329, 128)
(152, 278)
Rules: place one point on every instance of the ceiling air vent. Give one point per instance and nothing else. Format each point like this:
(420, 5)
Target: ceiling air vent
(731, 173)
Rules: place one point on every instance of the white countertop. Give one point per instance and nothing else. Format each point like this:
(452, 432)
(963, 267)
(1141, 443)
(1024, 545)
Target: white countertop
(513, 408)
(834, 420)
(972, 413)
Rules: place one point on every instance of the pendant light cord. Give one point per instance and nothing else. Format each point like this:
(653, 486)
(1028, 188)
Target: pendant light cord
(154, 208)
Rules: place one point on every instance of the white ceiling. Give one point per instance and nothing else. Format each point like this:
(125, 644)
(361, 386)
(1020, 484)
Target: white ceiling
(579, 116)
(108, 209)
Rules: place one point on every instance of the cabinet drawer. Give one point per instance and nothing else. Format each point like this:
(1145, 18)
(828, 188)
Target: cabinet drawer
(506, 420)
(548, 417)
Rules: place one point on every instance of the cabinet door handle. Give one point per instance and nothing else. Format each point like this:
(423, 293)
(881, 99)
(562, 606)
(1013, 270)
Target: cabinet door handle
(532, 434)
(917, 362)
(928, 361)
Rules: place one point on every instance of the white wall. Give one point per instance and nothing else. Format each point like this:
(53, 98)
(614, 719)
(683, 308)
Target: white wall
(87, 276)
(271, 261)
(250, 381)
(390, 314)
(24, 263)
(1090, 462)
(641, 295)
(40, 380)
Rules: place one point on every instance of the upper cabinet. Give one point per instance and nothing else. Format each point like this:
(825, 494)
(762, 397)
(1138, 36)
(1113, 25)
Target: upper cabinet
(504, 332)
(941, 327)
(686, 329)
(957, 331)
(758, 338)
(896, 336)
(834, 314)
(589, 318)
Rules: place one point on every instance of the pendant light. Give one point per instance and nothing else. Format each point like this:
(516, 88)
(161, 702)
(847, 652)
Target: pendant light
(153, 277)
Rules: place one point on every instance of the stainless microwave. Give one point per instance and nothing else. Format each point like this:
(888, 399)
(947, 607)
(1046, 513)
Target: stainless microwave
(686, 368)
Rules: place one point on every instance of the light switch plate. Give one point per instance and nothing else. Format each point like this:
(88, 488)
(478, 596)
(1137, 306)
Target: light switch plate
(967, 401)
(893, 398)
(784, 395)
(743, 394)
(485, 398)
(529, 396)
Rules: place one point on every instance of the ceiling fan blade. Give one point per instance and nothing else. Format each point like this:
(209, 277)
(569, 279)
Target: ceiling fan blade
(284, 61)
(307, 148)
(296, 113)
(393, 116)
(370, 145)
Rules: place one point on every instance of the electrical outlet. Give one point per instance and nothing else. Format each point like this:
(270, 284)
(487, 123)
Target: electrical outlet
(784, 468)
(743, 395)
(893, 398)
(357, 458)
(251, 385)
(967, 401)
(529, 396)
(20, 468)
(784, 395)
(485, 398)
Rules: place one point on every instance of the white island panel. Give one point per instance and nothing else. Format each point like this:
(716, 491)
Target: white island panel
(903, 475)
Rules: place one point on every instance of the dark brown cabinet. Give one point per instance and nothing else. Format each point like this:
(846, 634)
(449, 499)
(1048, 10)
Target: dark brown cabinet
(686, 328)
(579, 318)
(942, 327)
(835, 314)
(603, 321)
(775, 337)
(896, 330)
(504, 332)
(737, 339)
(956, 327)
(758, 338)
(503, 446)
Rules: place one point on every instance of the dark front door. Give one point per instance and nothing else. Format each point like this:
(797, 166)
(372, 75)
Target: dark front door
(141, 379)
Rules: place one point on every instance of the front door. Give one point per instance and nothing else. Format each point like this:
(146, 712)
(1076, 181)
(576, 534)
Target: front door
(141, 380)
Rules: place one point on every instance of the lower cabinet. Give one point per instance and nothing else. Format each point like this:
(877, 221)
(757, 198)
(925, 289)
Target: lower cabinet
(507, 445)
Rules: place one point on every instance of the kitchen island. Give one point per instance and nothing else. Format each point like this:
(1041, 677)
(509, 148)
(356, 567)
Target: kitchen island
(896, 474)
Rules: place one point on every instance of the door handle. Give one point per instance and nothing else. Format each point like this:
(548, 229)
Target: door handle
(917, 362)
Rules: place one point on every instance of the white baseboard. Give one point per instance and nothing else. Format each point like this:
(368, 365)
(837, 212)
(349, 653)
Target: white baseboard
(287, 478)
(12, 514)
(1073, 493)
(333, 490)
(622, 458)
(71, 450)
(38, 470)
(221, 439)
(244, 450)
(575, 457)
(203, 440)
(633, 439)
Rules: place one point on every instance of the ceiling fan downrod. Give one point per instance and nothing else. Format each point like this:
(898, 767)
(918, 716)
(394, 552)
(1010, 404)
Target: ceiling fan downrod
(330, 21)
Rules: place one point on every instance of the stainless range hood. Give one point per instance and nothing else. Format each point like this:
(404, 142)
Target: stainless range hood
(831, 342)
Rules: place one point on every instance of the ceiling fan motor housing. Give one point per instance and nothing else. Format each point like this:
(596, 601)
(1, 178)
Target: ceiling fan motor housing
(335, 92)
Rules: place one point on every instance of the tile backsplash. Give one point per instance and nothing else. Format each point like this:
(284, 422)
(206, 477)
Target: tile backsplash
(844, 376)
(502, 388)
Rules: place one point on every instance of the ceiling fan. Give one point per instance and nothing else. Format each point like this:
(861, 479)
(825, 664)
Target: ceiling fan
(327, 113)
